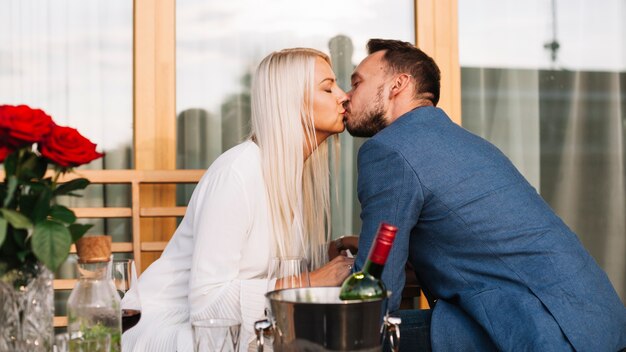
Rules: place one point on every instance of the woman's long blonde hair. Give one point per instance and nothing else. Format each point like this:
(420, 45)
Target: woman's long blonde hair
(282, 122)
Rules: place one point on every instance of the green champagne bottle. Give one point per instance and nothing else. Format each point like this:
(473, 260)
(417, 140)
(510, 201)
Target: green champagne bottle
(366, 284)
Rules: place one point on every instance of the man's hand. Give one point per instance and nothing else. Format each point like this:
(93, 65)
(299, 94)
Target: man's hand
(341, 245)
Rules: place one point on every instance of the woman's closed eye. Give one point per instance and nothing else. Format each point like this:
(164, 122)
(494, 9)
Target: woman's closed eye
(328, 87)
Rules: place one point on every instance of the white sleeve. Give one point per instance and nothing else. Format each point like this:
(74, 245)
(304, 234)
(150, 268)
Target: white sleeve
(222, 221)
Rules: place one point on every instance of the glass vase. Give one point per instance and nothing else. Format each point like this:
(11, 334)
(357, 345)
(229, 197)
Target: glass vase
(26, 309)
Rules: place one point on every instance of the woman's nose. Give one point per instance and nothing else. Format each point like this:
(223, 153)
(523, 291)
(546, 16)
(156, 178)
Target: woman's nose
(342, 98)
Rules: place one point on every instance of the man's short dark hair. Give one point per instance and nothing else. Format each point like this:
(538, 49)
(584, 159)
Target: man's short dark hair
(404, 57)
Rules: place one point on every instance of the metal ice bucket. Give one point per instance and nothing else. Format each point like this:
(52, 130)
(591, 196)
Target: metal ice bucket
(315, 319)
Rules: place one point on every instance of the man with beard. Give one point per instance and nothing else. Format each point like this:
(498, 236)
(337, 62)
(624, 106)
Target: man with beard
(504, 270)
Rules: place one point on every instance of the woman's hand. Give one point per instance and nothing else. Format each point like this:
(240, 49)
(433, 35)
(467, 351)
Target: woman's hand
(333, 273)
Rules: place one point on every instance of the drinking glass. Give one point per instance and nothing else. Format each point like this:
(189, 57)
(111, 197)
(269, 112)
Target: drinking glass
(61, 342)
(123, 274)
(289, 272)
(124, 277)
(215, 335)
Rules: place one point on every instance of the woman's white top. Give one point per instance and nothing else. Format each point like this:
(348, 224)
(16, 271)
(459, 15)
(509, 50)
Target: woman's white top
(215, 265)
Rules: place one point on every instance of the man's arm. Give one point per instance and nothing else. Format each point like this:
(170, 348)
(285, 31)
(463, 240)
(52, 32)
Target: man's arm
(389, 191)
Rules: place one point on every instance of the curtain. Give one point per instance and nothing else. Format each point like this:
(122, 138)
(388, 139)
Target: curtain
(502, 106)
(583, 174)
(565, 131)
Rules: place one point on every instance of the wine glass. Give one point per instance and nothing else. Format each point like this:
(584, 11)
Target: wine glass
(124, 275)
(215, 335)
(288, 272)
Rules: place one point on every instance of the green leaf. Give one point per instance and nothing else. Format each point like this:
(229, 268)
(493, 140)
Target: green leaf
(27, 203)
(51, 243)
(62, 213)
(11, 187)
(16, 219)
(10, 163)
(78, 230)
(77, 195)
(42, 207)
(21, 255)
(33, 168)
(73, 185)
(26, 165)
(19, 237)
(10, 247)
(3, 230)
(41, 168)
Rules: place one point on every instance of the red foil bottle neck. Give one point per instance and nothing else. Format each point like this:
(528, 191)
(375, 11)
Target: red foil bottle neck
(382, 243)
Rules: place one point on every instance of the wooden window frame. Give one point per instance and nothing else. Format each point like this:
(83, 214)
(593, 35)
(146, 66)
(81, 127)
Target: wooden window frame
(154, 90)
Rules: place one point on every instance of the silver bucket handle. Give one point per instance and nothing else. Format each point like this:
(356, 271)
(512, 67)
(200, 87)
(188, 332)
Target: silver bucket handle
(392, 331)
(390, 327)
(262, 328)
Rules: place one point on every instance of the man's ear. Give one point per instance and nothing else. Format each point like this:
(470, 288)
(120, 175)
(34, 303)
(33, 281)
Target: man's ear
(400, 83)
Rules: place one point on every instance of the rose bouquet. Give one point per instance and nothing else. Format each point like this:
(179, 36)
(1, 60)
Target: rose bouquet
(34, 228)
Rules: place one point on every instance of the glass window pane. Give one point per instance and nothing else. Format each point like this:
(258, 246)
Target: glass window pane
(73, 59)
(545, 81)
(219, 44)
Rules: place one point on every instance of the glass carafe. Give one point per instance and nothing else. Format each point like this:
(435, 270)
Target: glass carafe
(93, 311)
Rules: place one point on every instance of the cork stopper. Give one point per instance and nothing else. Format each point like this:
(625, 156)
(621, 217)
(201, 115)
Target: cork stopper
(94, 249)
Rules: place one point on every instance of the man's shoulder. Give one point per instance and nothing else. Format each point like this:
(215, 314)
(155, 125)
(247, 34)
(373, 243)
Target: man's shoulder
(412, 128)
(377, 145)
(421, 121)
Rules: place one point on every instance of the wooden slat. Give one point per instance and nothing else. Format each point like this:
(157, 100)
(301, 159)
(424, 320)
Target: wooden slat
(171, 176)
(102, 176)
(64, 284)
(60, 322)
(136, 227)
(153, 246)
(128, 176)
(116, 247)
(103, 212)
(141, 176)
(122, 247)
(162, 211)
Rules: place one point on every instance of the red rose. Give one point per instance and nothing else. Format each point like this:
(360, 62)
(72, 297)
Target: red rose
(66, 147)
(24, 125)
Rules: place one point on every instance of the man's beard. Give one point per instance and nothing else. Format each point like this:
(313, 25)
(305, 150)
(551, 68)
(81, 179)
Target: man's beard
(371, 120)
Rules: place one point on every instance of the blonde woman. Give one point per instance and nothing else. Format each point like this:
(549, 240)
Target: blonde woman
(268, 196)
